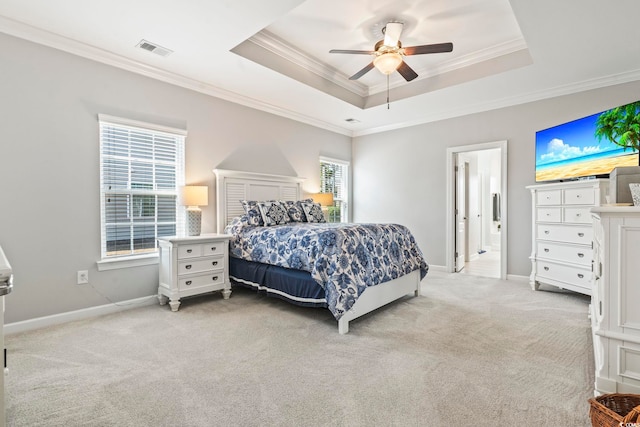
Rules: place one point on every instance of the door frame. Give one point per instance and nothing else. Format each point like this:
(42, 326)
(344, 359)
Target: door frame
(452, 159)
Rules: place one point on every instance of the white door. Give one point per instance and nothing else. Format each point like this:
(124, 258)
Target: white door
(461, 216)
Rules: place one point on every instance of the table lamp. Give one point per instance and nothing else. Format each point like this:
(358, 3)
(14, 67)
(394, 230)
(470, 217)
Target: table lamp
(325, 200)
(194, 196)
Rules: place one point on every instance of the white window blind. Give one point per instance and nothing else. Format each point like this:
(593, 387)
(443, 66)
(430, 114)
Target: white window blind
(141, 169)
(334, 176)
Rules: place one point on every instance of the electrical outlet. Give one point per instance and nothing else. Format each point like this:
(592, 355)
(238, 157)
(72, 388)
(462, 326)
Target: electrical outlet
(83, 277)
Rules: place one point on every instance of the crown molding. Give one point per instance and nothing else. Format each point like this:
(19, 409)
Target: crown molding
(46, 38)
(568, 89)
(279, 47)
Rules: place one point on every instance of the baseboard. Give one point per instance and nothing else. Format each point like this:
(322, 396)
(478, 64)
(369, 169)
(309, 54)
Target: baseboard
(442, 268)
(517, 277)
(85, 313)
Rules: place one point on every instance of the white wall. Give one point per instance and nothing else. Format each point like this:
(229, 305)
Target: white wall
(411, 190)
(49, 177)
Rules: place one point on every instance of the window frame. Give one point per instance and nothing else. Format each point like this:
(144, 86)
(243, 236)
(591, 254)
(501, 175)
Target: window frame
(345, 211)
(108, 262)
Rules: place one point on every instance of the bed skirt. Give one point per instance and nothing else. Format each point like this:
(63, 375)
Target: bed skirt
(295, 286)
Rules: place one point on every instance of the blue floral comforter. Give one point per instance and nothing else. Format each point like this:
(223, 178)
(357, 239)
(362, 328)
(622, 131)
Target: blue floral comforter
(344, 259)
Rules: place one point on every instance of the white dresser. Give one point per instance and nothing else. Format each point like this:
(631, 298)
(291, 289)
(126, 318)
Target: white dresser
(562, 233)
(615, 302)
(193, 265)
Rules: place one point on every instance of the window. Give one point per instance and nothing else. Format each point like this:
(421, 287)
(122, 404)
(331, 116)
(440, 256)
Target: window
(141, 168)
(334, 178)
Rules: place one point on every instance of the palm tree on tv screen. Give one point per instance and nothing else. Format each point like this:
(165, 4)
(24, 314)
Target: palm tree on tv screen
(621, 125)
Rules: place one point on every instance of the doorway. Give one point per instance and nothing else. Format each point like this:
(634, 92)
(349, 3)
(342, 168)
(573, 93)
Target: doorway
(476, 209)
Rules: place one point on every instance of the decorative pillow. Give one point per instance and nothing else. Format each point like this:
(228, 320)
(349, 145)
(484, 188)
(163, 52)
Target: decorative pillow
(273, 213)
(313, 212)
(294, 209)
(253, 212)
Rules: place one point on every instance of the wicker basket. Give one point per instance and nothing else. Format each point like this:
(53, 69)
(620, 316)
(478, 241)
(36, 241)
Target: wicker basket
(610, 410)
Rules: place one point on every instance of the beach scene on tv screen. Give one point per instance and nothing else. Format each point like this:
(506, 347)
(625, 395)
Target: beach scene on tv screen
(584, 147)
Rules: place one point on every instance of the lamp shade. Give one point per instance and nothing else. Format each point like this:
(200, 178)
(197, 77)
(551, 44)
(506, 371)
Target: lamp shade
(387, 63)
(325, 199)
(194, 195)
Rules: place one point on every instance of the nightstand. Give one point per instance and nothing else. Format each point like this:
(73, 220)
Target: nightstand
(193, 265)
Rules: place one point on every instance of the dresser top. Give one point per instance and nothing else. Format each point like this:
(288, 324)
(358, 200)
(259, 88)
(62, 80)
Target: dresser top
(623, 210)
(569, 184)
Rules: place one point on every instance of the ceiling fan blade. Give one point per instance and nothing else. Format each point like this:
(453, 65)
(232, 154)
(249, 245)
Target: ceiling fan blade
(356, 52)
(392, 33)
(407, 72)
(428, 48)
(362, 72)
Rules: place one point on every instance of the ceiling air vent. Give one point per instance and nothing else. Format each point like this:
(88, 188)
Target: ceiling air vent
(152, 47)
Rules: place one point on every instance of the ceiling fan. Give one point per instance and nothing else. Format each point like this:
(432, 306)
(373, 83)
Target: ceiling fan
(389, 53)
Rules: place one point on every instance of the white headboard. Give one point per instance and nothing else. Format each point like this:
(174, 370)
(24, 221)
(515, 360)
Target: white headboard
(233, 186)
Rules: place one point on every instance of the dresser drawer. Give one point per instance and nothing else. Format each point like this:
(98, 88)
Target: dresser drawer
(549, 214)
(564, 233)
(564, 273)
(559, 252)
(577, 215)
(199, 265)
(549, 197)
(579, 196)
(191, 282)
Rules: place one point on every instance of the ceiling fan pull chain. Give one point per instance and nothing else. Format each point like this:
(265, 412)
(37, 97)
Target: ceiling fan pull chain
(387, 91)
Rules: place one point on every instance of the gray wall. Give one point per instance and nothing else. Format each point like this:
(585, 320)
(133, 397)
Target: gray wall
(49, 175)
(403, 172)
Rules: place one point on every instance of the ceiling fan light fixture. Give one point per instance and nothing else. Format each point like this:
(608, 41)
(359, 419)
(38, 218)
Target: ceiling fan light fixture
(388, 62)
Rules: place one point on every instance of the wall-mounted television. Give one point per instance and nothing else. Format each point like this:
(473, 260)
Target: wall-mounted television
(586, 148)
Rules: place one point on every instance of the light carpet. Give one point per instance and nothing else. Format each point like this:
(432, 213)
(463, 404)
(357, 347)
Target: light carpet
(470, 351)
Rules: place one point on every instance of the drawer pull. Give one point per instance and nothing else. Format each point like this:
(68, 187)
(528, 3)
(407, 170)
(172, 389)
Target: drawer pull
(213, 248)
(214, 278)
(188, 267)
(189, 251)
(578, 214)
(188, 282)
(214, 263)
(578, 196)
(580, 234)
(546, 249)
(580, 275)
(546, 269)
(580, 255)
(546, 231)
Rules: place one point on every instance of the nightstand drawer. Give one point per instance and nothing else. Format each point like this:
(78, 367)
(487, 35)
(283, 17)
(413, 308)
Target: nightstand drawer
(214, 248)
(213, 278)
(189, 251)
(199, 265)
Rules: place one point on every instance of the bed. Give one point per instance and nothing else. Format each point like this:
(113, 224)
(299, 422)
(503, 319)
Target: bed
(352, 269)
